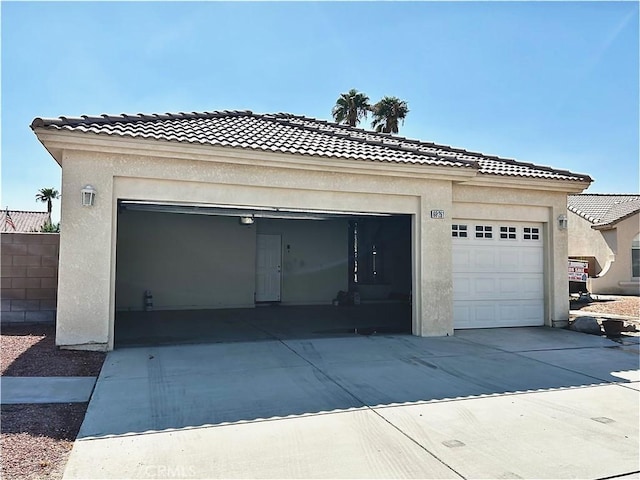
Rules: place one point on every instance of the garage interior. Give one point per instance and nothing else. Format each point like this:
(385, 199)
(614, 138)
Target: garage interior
(191, 273)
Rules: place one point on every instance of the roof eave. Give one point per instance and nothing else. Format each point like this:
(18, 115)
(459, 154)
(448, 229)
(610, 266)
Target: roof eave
(614, 223)
(57, 141)
(41, 135)
(536, 183)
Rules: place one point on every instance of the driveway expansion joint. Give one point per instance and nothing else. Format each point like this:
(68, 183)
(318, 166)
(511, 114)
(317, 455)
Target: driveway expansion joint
(373, 410)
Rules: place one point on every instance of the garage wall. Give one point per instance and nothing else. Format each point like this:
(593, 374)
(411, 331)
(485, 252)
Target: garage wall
(314, 258)
(187, 261)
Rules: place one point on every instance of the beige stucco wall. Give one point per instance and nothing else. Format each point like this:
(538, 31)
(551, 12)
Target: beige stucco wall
(612, 250)
(186, 261)
(167, 172)
(584, 241)
(86, 275)
(314, 258)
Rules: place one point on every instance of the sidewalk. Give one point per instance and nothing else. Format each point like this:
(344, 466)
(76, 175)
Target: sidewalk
(17, 390)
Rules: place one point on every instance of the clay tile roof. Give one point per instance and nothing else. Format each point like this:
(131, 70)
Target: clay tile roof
(23, 221)
(296, 134)
(603, 210)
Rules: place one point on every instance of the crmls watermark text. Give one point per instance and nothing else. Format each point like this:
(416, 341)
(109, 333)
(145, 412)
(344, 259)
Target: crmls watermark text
(169, 471)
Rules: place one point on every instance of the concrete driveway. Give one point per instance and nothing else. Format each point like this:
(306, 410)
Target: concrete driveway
(499, 403)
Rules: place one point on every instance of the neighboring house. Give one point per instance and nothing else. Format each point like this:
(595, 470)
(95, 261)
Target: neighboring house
(605, 230)
(22, 221)
(233, 208)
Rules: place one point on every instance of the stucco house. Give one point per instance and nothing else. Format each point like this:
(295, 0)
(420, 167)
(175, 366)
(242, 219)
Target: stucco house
(233, 209)
(605, 231)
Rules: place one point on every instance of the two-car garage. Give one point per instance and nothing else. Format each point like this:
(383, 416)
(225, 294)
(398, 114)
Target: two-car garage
(463, 239)
(209, 258)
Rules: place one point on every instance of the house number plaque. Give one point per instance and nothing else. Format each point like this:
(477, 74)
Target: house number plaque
(437, 213)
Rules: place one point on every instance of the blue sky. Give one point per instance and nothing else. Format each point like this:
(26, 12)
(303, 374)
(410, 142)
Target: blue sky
(549, 83)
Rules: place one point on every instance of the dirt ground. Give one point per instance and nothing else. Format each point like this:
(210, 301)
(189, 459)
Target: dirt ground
(35, 440)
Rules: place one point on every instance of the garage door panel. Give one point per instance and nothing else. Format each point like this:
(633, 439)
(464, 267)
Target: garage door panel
(498, 287)
(509, 287)
(491, 314)
(462, 313)
(492, 258)
(461, 259)
(483, 286)
(532, 286)
(509, 260)
(462, 288)
(532, 260)
(498, 282)
(483, 259)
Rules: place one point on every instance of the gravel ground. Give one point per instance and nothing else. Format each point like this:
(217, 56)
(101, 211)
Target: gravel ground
(30, 351)
(35, 440)
(629, 306)
(617, 305)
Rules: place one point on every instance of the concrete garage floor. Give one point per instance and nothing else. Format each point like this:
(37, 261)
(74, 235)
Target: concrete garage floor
(501, 403)
(266, 322)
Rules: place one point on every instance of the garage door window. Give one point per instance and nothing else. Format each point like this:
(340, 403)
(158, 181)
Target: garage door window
(531, 233)
(484, 231)
(459, 231)
(508, 233)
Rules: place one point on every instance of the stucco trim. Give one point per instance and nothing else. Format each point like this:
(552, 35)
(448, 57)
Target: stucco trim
(567, 186)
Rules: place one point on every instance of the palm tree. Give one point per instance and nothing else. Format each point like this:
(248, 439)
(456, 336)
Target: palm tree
(47, 195)
(386, 114)
(351, 107)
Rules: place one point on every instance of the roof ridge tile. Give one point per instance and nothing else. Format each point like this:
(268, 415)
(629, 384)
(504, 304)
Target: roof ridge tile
(380, 142)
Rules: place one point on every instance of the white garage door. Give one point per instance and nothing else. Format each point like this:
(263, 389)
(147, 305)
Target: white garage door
(498, 274)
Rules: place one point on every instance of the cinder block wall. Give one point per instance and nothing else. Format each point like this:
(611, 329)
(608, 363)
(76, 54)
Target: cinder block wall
(29, 271)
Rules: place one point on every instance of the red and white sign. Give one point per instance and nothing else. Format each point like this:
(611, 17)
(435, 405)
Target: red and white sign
(578, 271)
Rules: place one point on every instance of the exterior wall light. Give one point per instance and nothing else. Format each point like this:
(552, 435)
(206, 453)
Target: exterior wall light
(88, 196)
(247, 220)
(563, 222)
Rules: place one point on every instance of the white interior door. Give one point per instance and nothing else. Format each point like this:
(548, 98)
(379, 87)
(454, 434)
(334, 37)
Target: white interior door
(268, 268)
